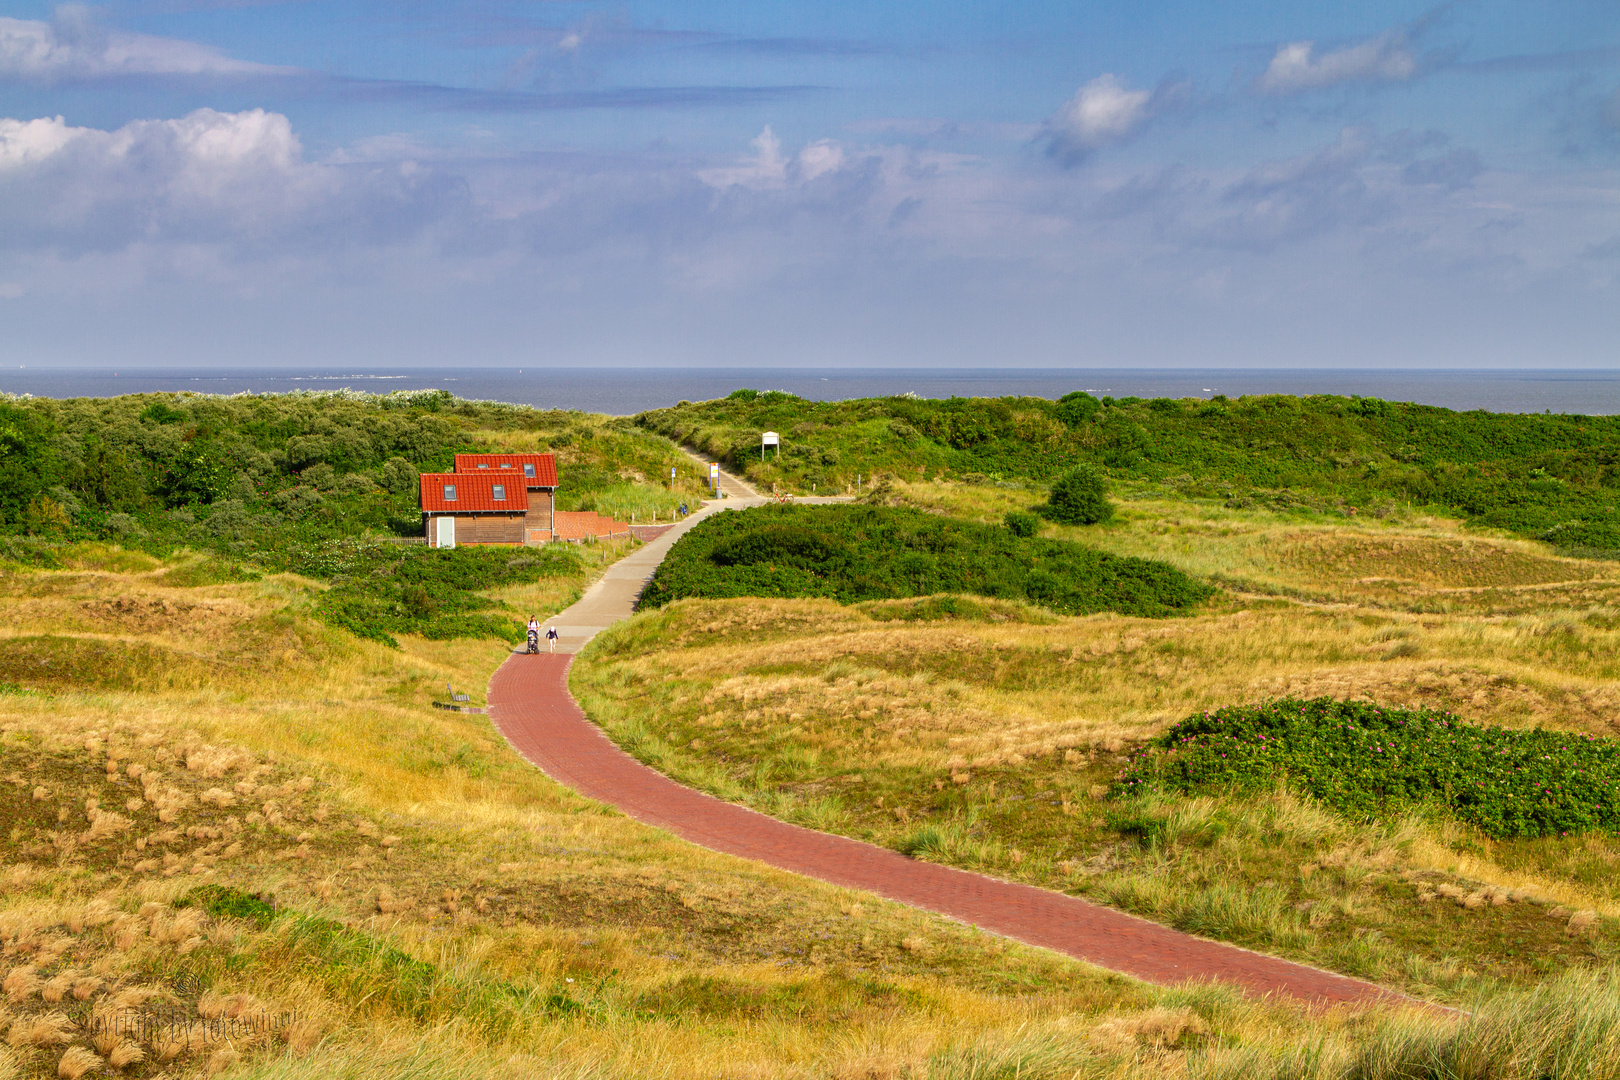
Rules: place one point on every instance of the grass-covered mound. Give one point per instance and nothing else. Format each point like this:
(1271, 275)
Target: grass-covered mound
(1369, 761)
(854, 553)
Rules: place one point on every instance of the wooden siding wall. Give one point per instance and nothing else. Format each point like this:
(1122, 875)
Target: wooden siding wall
(482, 528)
(539, 516)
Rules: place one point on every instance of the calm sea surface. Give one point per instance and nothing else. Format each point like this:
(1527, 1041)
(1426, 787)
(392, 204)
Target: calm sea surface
(628, 390)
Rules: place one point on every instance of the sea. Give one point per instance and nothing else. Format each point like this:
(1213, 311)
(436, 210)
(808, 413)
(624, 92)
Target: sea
(625, 391)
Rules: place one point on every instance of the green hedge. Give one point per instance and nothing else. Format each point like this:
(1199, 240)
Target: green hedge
(1368, 761)
(853, 553)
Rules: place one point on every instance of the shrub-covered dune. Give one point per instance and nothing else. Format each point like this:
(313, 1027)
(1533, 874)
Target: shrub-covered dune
(853, 553)
(1526, 473)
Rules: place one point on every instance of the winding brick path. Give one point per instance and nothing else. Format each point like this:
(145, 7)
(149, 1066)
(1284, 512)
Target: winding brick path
(530, 705)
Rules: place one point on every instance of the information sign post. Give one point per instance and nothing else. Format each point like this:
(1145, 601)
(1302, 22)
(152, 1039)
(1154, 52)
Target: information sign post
(770, 438)
(714, 477)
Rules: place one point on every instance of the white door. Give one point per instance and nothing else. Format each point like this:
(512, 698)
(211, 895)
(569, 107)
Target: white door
(447, 532)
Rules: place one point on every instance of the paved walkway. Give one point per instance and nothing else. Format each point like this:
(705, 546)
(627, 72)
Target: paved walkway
(530, 705)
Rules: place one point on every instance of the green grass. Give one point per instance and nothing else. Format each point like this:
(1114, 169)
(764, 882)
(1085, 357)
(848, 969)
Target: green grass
(854, 553)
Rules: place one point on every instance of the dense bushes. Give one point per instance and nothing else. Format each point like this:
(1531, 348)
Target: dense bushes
(380, 590)
(1080, 497)
(1368, 761)
(852, 553)
(260, 479)
(1526, 473)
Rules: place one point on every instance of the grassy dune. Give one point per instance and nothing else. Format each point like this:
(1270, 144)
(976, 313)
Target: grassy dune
(987, 738)
(251, 832)
(427, 904)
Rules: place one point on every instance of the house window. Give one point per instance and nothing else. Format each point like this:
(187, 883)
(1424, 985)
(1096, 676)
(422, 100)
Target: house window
(528, 470)
(484, 465)
(500, 492)
(449, 493)
(506, 464)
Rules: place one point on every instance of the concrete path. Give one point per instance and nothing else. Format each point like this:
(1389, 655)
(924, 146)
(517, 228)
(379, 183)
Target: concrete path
(733, 487)
(613, 596)
(531, 706)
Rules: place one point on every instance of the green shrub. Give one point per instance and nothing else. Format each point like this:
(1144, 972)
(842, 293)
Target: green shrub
(1585, 537)
(399, 476)
(1076, 408)
(1368, 761)
(226, 902)
(855, 553)
(1080, 497)
(1021, 524)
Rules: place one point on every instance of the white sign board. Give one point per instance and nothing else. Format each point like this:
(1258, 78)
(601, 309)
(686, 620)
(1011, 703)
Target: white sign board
(714, 471)
(770, 438)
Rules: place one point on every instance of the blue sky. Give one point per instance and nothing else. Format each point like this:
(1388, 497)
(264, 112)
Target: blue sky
(190, 182)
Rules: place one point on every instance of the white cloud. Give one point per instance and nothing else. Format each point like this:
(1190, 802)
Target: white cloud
(72, 46)
(768, 168)
(23, 142)
(1101, 113)
(1297, 67)
(818, 159)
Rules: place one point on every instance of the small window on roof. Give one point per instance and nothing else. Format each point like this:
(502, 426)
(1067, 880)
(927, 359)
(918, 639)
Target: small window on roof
(528, 469)
(499, 491)
(483, 464)
(449, 493)
(506, 464)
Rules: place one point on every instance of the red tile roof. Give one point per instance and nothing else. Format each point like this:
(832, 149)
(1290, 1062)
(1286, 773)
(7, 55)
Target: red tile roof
(475, 492)
(545, 466)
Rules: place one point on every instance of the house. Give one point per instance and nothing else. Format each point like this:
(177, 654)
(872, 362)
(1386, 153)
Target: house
(491, 499)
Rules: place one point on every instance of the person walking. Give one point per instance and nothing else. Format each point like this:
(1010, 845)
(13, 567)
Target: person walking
(551, 639)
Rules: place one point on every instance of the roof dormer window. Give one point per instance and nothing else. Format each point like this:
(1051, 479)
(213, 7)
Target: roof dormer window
(449, 493)
(499, 492)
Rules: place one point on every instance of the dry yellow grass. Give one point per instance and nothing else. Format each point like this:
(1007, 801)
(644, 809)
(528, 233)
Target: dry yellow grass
(989, 742)
(326, 780)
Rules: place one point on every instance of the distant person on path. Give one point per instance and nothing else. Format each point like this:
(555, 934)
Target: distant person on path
(534, 625)
(682, 510)
(551, 639)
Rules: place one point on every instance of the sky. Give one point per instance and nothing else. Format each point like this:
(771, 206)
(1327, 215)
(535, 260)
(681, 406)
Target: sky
(1141, 183)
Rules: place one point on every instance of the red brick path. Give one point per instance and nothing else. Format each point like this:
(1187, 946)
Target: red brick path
(530, 704)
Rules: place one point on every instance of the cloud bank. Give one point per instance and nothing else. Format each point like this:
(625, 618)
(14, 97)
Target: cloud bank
(237, 181)
(74, 47)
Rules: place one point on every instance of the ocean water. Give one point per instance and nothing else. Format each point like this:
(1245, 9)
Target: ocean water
(622, 391)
